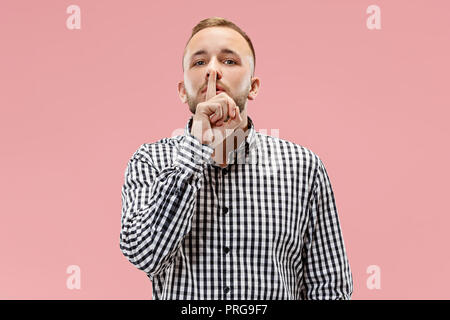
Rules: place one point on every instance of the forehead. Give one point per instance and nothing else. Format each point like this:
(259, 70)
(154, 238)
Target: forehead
(214, 39)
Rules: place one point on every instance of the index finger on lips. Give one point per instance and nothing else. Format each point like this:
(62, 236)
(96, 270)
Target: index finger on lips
(211, 89)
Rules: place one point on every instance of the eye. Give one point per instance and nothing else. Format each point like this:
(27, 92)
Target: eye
(195, 64)
(231, 61)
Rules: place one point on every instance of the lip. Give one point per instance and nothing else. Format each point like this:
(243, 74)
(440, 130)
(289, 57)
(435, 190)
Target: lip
(218, 88)
(217, 92)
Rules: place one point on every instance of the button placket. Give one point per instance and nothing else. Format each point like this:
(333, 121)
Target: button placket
(226, 231)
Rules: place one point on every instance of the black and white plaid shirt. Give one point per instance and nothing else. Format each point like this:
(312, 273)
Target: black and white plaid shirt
(264, 228)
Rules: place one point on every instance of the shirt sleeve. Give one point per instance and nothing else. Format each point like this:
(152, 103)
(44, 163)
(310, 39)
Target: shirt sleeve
(327, 274)
(157, 206)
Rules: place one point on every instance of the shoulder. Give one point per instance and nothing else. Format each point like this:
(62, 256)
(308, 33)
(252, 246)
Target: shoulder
(288, 150)
(159, 153)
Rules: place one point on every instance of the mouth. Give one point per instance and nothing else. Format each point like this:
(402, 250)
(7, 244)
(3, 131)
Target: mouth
(218, 90)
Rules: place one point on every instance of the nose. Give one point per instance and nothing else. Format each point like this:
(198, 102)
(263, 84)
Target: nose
(213, 66)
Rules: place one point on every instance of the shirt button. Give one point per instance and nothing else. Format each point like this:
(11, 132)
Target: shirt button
(226, 250)
(225, 210)
(226, 289)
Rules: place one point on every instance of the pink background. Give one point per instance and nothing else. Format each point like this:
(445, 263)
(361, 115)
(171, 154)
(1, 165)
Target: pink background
(76, 104)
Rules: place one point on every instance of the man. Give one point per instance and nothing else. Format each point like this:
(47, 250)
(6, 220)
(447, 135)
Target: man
(256, 220)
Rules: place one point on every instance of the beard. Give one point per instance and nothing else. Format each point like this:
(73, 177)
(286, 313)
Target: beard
(240, 100)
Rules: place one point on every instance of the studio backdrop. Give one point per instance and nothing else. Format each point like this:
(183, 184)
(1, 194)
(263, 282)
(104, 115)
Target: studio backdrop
(84, 84)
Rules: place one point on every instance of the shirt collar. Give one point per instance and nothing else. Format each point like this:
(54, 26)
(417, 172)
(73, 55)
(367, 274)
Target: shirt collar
(248, 144)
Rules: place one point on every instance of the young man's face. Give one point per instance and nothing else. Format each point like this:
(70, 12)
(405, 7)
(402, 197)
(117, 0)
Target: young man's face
(234, 70)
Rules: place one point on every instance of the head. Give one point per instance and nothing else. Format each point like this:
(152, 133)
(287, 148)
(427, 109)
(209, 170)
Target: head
(218, 44)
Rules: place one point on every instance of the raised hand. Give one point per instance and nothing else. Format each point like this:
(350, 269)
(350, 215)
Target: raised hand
(217, 117)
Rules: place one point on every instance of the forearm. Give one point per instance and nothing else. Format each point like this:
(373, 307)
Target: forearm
(156, 218)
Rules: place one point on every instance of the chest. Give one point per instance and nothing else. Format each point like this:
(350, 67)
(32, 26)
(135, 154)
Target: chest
(251, 204)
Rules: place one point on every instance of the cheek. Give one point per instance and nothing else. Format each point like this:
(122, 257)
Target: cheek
(189, 85)
(244, 85)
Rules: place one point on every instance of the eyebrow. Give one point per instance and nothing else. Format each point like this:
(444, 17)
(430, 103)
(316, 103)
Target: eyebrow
(200, 52)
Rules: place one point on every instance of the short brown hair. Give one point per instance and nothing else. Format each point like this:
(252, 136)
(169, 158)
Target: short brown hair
(220, 22)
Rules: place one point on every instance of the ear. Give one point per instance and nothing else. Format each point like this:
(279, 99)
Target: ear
(254, 88)
(182, 91)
